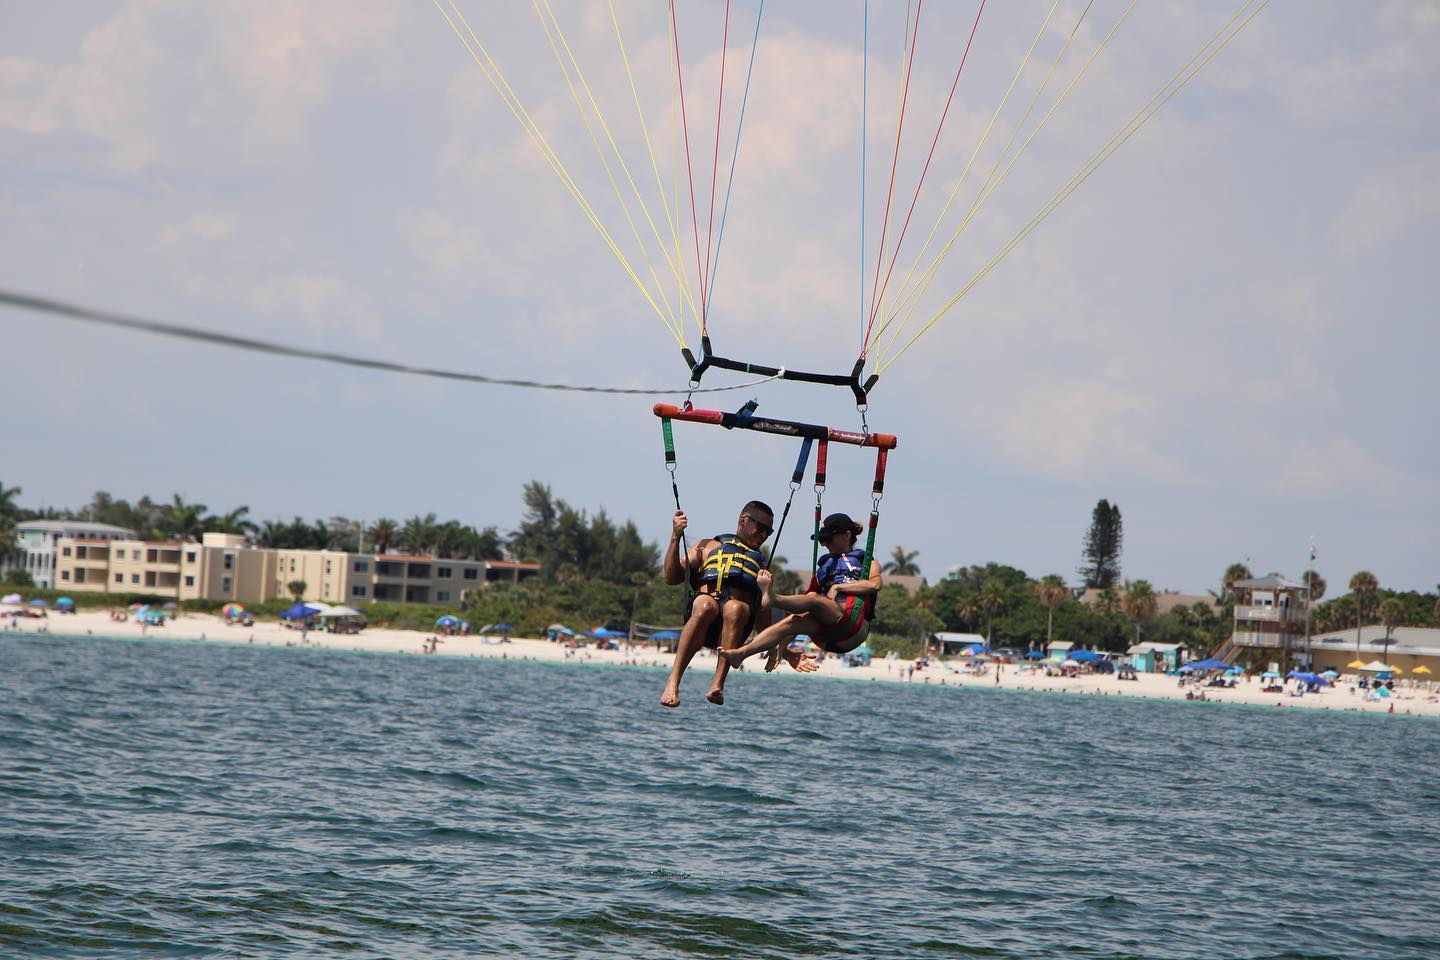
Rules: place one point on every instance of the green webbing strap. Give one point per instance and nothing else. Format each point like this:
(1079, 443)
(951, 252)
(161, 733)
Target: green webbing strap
(669, 436)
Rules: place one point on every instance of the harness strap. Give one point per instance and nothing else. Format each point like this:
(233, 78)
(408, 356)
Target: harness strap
(820, 461)
(795, 479)
(669, 437)
(877, 491)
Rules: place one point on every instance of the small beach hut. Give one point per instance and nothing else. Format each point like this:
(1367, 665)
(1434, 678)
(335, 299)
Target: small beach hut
(1060, 649)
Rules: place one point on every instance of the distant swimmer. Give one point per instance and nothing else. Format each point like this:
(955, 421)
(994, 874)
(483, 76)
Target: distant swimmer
(836, 611)
(726, 602)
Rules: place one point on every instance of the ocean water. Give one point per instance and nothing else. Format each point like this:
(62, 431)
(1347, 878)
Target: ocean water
(161, 799)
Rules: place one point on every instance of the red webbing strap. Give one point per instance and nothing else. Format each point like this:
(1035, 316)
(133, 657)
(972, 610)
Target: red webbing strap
(819, 495)
(876, 492)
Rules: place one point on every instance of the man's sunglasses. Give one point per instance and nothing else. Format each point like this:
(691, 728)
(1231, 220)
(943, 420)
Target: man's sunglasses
(764, 528)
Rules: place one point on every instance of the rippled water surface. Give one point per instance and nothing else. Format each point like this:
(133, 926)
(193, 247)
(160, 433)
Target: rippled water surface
(161, 799)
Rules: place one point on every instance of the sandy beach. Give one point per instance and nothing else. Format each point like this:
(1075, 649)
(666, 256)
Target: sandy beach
(1407, 699)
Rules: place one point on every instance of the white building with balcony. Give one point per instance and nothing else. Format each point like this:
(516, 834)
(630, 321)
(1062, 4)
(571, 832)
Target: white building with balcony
(37, 541)
(1270, 614)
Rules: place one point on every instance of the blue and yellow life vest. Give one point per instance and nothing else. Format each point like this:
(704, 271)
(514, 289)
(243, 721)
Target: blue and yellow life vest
(836, 568)
(732, 564)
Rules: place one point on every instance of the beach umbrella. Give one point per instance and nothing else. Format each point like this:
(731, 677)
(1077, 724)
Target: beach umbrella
(137, 607)
(1355, 664)
(1034, 655)
(232, 609)
(10, 598)
(64, 602)
(300, 611)
(342, 610)
(1329, 673)
(497, 628)
(447, 620)
(1376, 666)
(172, 605)
(1236, 669)
(1269, 675)
(1422, 669)
(38, 602)
(665, 635)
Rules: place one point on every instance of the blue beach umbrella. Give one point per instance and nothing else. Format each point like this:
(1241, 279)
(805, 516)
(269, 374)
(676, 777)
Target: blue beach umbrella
(447, 620)
(497, 628)
(1034, 655)
(38, 602)
(665, 635)
(64, 602)
(299, 612)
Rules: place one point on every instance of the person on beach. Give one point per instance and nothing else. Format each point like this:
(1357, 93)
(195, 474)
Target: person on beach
(837, 609)
(727, 601)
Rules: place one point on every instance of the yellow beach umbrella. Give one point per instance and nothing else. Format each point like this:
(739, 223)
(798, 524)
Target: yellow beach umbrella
(1355, 664)
(1421, 669)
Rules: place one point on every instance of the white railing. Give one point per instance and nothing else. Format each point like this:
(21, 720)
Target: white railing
(1269, 614)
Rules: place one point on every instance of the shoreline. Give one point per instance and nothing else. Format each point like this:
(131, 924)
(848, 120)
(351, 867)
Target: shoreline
(206, 628)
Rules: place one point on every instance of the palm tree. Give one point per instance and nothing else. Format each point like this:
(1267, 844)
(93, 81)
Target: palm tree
(236, 521)
(8, 507)
(902, 562)
(1107, 600)
(1053, 592)
(420, 534)
(1315, 585)
(990, 600)
(1436, 617)
(382, 534)
(1392, 614)
(1233, 574)
(297, 589)
(967, 608)
(182, 519)
(1140, 603)
(1364, 586)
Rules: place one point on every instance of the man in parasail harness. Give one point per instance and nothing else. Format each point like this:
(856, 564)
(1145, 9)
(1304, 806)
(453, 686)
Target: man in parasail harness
(837, 609)
(726, 601)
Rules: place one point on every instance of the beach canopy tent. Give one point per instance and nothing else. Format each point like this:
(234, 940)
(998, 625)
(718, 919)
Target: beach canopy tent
(302, 610)
(1085, 656)
(1034, 655)
(38, 602)
(604, 633)
(343, 610)
(11, 598)
(665, 635)
(497, 628)
(1212, 663)
(1313, 679)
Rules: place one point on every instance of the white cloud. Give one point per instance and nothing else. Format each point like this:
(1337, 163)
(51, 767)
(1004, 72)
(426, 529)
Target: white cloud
(322, 303)
(1338, 466)
(1388, 202)
(1077, 430)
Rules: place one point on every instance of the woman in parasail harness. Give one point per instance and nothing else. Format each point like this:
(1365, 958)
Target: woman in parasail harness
(727, 601)
(835, 612)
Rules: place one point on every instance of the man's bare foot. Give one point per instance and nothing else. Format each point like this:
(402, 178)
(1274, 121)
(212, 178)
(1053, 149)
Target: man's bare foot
(670, 698)
(772, 659)
(733, 657)
(716, 696)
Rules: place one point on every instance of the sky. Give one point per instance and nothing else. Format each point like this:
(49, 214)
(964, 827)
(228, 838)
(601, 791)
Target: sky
(1228, 330)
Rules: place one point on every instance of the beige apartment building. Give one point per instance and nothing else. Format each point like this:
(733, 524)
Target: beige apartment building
(224, 567)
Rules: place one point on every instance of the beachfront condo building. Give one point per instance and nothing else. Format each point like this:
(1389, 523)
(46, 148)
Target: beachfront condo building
(224, 566)
(37, 545)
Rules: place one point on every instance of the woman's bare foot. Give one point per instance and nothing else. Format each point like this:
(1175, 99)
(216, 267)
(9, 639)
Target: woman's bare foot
(716, 696)
(733, 657)
(801, 662)
(670, 698)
